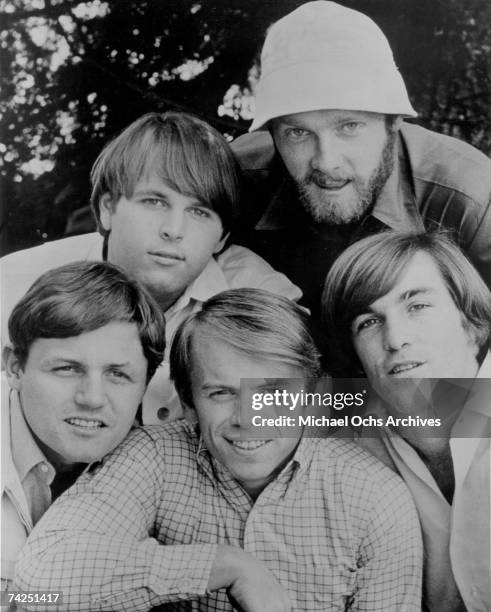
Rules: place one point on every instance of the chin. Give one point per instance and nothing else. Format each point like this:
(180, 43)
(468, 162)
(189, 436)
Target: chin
(335, 212)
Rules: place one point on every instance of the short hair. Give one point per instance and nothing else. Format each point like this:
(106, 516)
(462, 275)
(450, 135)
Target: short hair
(82, 297)
(371, 267)
(189, 155)
(255, 322)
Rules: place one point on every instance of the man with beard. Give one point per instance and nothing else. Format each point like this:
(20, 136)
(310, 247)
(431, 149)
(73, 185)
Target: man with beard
(330, 159)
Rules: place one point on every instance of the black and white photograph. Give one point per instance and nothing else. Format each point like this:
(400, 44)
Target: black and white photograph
(245, 265)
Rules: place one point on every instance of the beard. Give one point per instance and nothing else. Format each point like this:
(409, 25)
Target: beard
(334, 210)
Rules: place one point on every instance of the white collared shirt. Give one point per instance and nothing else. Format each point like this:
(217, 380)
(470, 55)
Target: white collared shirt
(26, 479)
(456, 536)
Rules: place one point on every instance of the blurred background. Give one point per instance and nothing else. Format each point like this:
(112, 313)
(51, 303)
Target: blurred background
(73, 74)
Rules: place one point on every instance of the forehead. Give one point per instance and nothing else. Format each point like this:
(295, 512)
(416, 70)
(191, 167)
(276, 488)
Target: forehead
(217, 360)
(153, 184)
(328, 117)
(116, 342)
(420, 274)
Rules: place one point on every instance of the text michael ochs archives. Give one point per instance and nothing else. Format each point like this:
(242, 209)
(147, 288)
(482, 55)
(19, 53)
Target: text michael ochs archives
(282, 408)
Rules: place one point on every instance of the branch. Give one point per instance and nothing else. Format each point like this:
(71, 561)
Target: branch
(159, 101)
(49, 12)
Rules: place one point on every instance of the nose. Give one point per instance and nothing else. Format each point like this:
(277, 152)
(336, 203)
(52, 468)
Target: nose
(236, 418)
(90, 392)
(397, 333)
(172, 225)
(328, 156)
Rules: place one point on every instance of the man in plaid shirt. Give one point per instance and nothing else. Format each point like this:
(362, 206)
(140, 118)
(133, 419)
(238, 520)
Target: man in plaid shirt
(208, 516)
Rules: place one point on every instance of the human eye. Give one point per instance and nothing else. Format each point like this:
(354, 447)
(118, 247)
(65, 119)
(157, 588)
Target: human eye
(365, 322)
(118, 375)
(66, 369)
(418, 306)
(154, 202)
(200, 212)
(351, 128)
(295, 134)
(221, 394)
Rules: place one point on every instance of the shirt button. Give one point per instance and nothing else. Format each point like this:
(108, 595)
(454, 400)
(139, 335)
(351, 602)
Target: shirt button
(44, 468)
(186, 584)
(163, 413)
(474, 592)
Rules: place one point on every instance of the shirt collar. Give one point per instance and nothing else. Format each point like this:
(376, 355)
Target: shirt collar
(479, 399)
(210, 282)
(26, 453)
(300, 459)
(485, 369)
(97, 248)
(395, 206)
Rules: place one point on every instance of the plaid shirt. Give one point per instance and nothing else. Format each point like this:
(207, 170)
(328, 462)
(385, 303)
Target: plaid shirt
(336, 527)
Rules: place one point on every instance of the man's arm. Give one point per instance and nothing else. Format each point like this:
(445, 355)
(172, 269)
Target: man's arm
(93, 545)
(391, 556)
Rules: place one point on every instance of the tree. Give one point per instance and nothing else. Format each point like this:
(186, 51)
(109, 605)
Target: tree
(75, 73)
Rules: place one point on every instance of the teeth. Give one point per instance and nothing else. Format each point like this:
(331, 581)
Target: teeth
(404, 368)
(249, 444)
(89, 424)
(332, 185)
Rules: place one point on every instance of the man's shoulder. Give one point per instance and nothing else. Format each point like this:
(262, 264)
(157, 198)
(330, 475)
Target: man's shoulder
(54, 253)
(447, 162)
(21, 268)
(354, 467)
(7, 466)
(242, 267)
(254, 151)
(173, 443)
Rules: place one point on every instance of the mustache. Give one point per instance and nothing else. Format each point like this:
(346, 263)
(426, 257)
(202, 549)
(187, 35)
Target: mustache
(323, 179)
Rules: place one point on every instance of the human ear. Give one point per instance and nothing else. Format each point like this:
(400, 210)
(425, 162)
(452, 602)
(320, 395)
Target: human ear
(106, 211)
(13, 368)
(221, 243)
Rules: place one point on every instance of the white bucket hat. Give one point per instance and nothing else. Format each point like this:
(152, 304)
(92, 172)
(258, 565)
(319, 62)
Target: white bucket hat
(326, 56)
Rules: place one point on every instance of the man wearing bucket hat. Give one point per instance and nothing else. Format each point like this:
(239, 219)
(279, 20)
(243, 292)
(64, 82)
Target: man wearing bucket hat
(330, 159)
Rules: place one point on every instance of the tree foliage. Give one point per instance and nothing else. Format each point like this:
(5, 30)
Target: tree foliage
(75, 73)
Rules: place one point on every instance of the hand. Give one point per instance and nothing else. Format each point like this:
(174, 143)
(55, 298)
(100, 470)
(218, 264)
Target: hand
(250, 585)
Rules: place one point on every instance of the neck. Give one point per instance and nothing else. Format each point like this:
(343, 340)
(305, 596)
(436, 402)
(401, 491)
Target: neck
(165, 301)
(65, 478)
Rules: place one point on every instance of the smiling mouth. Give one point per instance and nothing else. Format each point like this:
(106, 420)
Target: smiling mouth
(402, 368)
(248, 445)
(331, 185)
(85, 423)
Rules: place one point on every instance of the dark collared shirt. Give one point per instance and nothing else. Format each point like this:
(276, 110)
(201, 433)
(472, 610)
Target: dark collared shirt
(437, 181)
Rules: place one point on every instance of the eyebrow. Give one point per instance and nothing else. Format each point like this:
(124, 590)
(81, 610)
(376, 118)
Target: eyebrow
(406, 295)
(60, 359)
(297, 121)
(56, 358)
(216, 385)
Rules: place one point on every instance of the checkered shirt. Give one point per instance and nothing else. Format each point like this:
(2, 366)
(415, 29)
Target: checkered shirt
(336, 527)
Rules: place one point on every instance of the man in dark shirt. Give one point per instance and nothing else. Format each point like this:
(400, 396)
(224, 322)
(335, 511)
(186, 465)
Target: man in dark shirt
(338, 162)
